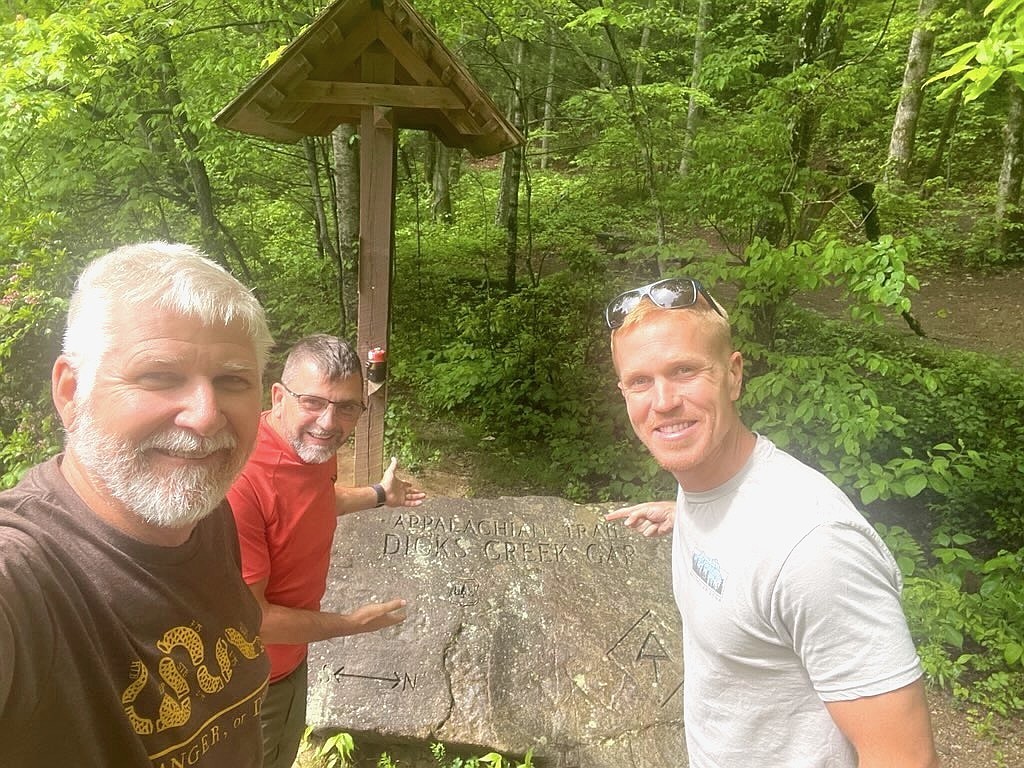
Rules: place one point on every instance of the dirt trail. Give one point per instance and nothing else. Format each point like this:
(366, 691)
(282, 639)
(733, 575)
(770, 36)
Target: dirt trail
(981, 312)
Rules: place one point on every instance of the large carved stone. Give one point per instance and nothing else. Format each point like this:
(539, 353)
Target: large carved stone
(532, 623)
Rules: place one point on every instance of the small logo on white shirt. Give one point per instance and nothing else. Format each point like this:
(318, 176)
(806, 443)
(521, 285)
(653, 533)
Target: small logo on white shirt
(709, 571)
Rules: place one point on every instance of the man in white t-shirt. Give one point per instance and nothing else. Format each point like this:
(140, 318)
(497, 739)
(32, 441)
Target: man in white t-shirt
(795, 646)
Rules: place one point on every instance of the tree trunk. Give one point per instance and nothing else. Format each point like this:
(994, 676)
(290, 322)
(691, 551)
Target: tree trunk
(693, 112)
(507, 214)
(429, 157)
(346, 205)
(214, 232)
(636, 114)
(441, 201)
(549, 104)
(821, 43)
(864, 193)
(645, 38)
(1008, 212)
(454, 166)
(326, 244)
(934, 168)
(904, 127)
(511, 172)
(645, 142)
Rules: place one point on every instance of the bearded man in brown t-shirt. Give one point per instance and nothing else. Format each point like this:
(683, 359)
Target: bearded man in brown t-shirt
(127, 636)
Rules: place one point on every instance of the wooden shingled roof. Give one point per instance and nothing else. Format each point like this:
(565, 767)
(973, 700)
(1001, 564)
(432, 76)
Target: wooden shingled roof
(319, 82)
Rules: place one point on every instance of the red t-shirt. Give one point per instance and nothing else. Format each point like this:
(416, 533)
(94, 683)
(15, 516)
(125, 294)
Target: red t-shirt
(286, 515)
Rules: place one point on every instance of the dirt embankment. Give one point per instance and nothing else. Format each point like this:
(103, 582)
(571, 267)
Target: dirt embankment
(976, 311)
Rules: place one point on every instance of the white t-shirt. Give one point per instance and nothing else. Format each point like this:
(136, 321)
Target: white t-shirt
(789, 598)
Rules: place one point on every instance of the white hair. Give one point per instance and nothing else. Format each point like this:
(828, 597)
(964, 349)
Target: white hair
(161, 276)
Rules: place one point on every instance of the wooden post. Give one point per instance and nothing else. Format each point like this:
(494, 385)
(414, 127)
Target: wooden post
(377, 154)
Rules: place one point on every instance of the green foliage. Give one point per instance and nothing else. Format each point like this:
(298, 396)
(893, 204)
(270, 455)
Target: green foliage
(491, 759)
(30, 323)
(937, 215)
(982, 492)
(967, 616)
(605, 137)
(873, 276)
(983, 62)
(904, 547)
(516, 367)
(335, 751)
(878, 417)
(104, 120)
(736, 199)
(338, 751)
(518, 370)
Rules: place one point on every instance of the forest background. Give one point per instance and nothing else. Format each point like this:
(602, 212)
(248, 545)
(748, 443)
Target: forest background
(770, 148)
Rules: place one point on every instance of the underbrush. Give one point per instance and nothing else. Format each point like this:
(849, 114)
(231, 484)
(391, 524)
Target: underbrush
(339, 750)
(966, 613)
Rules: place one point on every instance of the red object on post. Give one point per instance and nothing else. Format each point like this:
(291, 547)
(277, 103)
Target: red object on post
(376, 365)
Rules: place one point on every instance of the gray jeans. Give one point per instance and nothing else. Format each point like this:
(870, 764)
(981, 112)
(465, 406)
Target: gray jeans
(283, 718)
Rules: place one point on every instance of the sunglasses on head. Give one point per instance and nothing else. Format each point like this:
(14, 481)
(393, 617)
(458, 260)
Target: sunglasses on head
(671, 293)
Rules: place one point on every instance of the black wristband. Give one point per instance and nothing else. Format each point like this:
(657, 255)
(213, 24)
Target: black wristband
(381, 495)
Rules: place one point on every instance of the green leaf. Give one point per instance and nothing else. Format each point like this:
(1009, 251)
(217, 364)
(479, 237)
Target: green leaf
(914, 484)
(906, 564)
(953, 636)
(868, 494)
(1013, 653)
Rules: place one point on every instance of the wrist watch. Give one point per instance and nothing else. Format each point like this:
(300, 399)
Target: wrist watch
(381, 495)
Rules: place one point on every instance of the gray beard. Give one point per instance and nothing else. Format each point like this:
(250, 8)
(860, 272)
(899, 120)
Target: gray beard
(174, 499)
(314, 454)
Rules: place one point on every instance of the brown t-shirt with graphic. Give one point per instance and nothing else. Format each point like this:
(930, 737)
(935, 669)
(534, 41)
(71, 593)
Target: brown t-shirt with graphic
(119, 653)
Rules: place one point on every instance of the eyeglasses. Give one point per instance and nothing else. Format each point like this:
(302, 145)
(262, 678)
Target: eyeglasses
(346, 409)
(671, 293)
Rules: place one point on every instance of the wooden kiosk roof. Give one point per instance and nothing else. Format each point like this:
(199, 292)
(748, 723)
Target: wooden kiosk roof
(319, 82)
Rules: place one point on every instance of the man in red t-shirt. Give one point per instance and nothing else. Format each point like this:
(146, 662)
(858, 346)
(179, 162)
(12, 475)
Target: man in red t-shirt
(286, 506)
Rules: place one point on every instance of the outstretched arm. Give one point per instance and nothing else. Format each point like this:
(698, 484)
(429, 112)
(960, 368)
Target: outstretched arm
(891, 730)
(397, 493)
(652, 518)
(298, 625)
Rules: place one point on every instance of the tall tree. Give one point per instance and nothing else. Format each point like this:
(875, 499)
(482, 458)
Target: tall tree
(549, 104)
(108, 106)
(326, 239)
(507, 213)
(441, 197)
(1008, 203)
(344, 145)
(982, 64)
(642, 52)
(693, 108)
(934, 166)
(904, 128)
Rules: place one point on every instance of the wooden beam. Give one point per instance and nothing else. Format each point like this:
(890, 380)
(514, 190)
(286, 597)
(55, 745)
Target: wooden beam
(378, 144)
(339, 58)
(376, 94)
(288, 114)
(414, 61)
